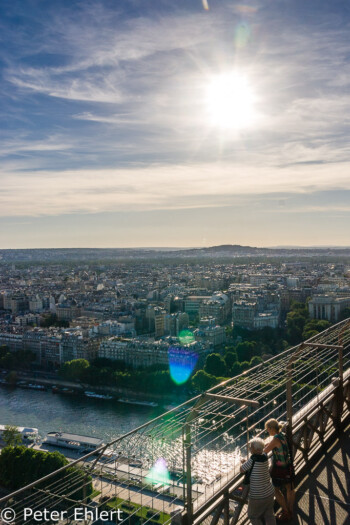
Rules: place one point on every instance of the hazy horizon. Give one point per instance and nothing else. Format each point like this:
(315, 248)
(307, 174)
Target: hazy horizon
(162, 123)
(178, 248)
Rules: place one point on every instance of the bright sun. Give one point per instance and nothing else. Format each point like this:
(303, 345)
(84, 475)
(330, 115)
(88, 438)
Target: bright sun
(230, 101)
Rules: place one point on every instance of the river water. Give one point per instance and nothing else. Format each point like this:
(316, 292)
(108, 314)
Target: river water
(68, 413)
(107, 420)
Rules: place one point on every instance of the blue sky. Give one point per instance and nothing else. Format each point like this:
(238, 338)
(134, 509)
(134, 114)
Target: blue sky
(107, 137)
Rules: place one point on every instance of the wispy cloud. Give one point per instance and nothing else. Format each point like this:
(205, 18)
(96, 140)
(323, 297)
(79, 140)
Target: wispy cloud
(109, 119)
(92, 88)
(22, 145)
(101, 59)
(156, 187)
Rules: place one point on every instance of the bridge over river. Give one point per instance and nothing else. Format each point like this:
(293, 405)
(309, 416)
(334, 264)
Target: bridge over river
(183, 467)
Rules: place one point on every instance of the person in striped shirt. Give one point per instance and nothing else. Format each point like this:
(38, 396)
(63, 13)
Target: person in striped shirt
(261, 491)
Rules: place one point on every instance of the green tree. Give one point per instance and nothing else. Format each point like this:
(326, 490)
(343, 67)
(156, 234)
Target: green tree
(229, 332)
(75, 369)
(236, 369)
(295, 327)
(256, 360)
(230, 358)
(203, 381)
(246, 350)
(307, 333)
(16, 359)
(20, 466)
(244, 365)
(215, 365)
(296, 320)
(344, 314)
(321, 325)
(314, 326)
(301, 308)
(11, 436)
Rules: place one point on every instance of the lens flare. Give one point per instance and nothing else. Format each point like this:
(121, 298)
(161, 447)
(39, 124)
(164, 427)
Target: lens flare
(159, 472)
(181, 363)
(186, 337)
(242, 35)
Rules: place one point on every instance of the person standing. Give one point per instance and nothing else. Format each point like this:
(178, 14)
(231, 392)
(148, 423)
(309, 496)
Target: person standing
(261, 491)
(282, 469)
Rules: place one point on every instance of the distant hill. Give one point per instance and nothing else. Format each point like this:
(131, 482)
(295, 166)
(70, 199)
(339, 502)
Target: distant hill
(238, 250)
(107, 254)
(228, 249)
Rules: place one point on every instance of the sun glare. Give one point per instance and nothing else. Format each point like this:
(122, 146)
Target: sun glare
(230, 101)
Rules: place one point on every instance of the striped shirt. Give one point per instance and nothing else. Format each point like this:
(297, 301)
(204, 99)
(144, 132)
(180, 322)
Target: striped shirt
(260, 479)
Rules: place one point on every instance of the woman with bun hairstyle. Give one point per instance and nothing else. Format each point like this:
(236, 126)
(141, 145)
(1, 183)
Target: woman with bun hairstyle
(282, 469)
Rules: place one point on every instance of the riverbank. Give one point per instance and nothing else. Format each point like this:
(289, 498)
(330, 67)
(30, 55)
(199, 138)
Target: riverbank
(80, 388)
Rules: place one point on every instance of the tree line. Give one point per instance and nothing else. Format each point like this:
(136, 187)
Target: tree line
(106, 372)
(20, 466)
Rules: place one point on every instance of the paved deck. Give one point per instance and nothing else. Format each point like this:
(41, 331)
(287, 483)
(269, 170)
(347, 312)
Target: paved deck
(323, 494)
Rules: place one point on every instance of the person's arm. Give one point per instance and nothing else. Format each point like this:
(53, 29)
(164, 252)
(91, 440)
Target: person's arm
(274, 443)
(246, 466)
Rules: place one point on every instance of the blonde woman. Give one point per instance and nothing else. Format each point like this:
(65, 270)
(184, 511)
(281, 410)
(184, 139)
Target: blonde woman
(282, 469)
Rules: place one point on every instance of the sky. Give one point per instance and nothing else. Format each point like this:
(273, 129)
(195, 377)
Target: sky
(186, 123)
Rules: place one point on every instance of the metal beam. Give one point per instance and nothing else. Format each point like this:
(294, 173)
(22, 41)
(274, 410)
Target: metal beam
(233, 400)
(321, 345)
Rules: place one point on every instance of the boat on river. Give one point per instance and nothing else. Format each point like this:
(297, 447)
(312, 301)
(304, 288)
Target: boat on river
(34, 386)
(98, 396)
(28, 434)
(73, 441)
(137, 402)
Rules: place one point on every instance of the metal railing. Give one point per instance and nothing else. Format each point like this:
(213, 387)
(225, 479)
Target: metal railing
(184, 465)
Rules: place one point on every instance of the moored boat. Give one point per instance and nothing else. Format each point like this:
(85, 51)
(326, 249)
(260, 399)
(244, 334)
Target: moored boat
(34, 386)
(29, 434)
(137, 402)
(98, 396)
(73, 441)
(67, 391)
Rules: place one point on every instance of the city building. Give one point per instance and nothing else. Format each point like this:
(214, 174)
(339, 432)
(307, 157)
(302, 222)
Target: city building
(327, 307)
(192, 304)
(76, 346)
(68, 310)
(141, 353)
(174, 323)
(243, 313)
(209, 333)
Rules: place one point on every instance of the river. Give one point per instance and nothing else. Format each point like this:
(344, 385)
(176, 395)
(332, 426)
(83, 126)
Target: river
(68, 413)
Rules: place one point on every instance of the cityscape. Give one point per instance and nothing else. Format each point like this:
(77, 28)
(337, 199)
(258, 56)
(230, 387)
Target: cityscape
(123, 338)
(134, 316)
(134, 309)
(174, 262)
